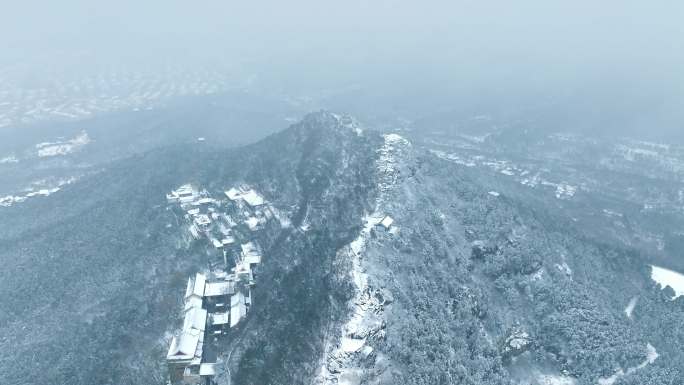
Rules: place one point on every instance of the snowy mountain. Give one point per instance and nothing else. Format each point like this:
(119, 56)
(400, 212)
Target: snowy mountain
(396, 261)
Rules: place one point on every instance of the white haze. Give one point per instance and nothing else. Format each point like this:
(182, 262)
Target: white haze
(615, 64)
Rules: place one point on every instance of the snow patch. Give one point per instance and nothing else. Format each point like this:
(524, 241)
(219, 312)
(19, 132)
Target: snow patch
(43, 187)
(363, 312)
(666, 277)
(281, 217)
(564, 190)
(453, 158)
(366, 308)
(349, 123)
(388, 165)
(630, 307)
(350, 377)
(9, 159)
(47, 149)
(352, 345)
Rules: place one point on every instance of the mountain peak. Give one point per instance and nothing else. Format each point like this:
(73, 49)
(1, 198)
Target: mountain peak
(327, 119)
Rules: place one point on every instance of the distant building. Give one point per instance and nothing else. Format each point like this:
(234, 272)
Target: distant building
(219, 292)
(253, 199)
(204, 202)
(243, 273)
(245, 196)
(185, 357)
(185, 353)
(250, 254)
(184, 194)
(221, 299)
(202, 221)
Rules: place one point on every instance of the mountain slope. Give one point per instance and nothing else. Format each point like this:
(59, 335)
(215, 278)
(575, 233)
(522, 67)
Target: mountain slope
(496, 287)
(475, 280)
(100, 262)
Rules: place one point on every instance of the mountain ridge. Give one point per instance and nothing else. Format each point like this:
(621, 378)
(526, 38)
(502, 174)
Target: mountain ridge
(470, 281)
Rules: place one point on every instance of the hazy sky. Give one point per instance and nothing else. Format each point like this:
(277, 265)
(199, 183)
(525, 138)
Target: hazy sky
(517, 31)
(499, 49)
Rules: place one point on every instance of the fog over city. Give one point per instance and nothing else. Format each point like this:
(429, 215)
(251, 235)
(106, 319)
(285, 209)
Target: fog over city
(611, 66)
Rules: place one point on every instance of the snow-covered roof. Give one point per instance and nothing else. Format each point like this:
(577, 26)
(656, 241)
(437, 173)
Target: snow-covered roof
(248, 247)
(387, 222)
(202, 219)
(200, 280)
(238, 308)
(184, 189)
(248, 195)
(237, 298)
(196, 286)
(207, 369)
(183, 194)
(218, 274)
(250, 254)
(252, 223)
(195, 318)
(374, 219)
(193, 302)
(252, 258)
(189, 287)
(242, 269)
(233, 194)
(198, 350)
(220, 318)
(186, 199)
(204, 201)
(213, 289)
(350, 345)
(184, 346)
(253, 198)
